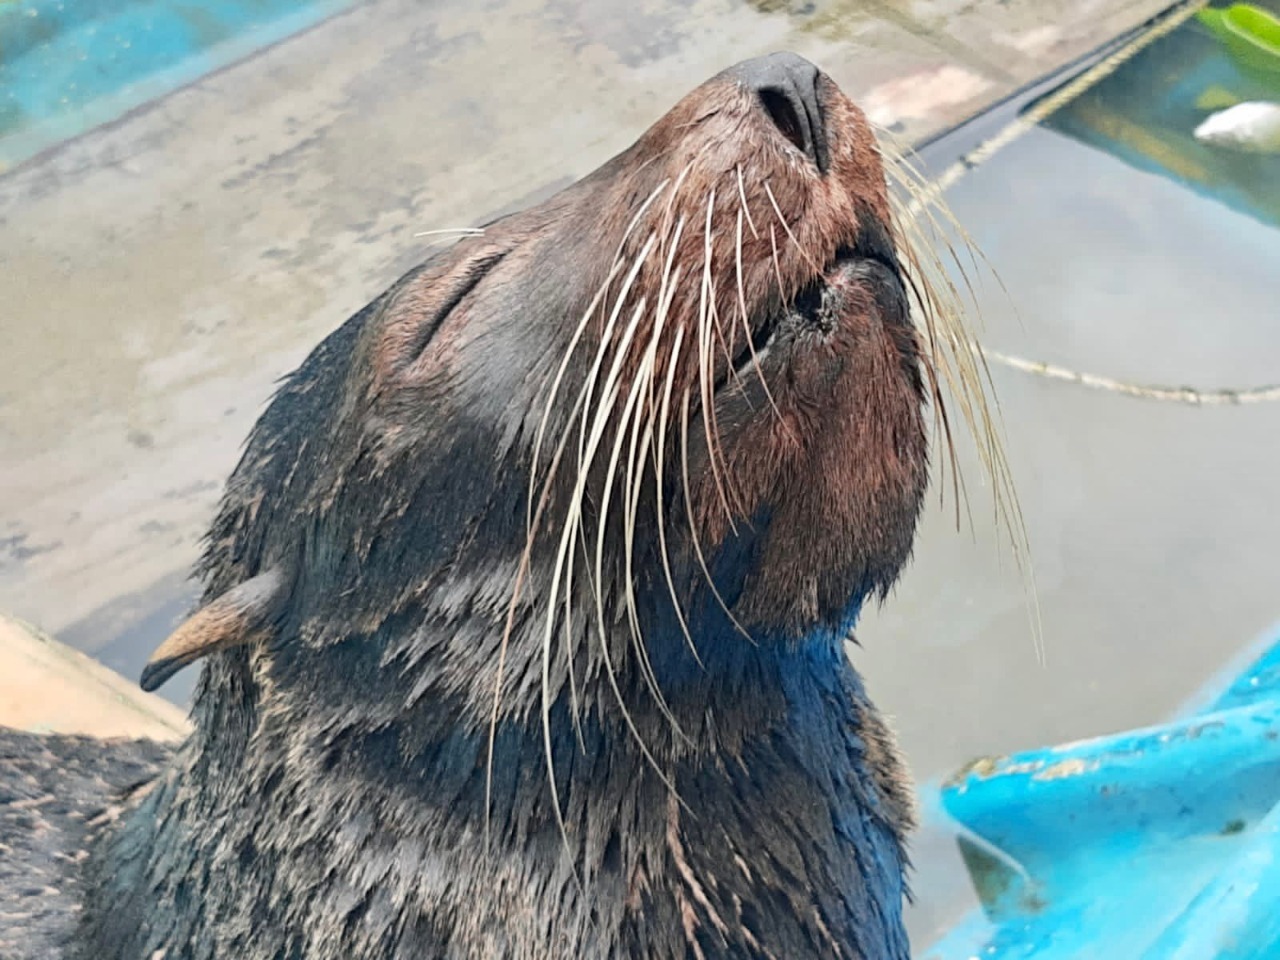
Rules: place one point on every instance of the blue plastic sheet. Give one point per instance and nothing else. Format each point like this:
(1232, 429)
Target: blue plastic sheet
(1157, 844)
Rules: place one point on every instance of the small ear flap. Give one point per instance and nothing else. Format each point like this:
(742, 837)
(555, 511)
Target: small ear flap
(233, 619)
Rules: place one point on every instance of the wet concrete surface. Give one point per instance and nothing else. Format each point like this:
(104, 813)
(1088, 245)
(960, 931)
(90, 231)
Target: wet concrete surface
(157, 276)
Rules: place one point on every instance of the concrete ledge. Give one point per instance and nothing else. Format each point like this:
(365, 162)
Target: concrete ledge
(46, 687)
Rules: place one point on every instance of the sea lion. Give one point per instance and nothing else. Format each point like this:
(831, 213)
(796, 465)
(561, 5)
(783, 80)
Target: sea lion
(524, 610)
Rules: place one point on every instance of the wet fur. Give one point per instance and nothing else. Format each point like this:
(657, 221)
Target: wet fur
(53, 789)
(369, 776)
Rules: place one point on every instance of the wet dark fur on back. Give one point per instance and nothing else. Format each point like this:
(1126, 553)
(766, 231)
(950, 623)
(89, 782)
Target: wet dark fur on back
(525, 607)
(53, 789)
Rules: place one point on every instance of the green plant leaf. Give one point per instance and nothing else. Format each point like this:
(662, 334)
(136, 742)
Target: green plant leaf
(1250, 34)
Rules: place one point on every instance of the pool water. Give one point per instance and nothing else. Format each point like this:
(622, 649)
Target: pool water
(1129, 250)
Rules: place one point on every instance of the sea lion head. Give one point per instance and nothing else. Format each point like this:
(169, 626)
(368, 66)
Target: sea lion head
(634, 455)
(719, 311)
(685, 389)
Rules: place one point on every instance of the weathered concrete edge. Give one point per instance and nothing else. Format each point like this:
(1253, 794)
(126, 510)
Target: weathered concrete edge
(1056, 73)
(48, 687)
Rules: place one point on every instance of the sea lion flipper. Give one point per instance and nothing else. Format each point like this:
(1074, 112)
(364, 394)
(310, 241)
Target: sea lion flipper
(231, 620)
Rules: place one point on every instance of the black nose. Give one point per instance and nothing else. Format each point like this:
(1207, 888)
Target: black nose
(787, 86)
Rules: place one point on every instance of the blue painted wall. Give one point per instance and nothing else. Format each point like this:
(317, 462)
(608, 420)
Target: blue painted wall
(67, 66)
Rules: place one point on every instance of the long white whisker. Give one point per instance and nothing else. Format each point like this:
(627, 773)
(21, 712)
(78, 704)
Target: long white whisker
(746, 324)
(629, 416)
(465, 231)
(659, 468)
(715, 456)
(667, 292)
(693, 529)
(817, 268)
(742, 196)
(610, 391)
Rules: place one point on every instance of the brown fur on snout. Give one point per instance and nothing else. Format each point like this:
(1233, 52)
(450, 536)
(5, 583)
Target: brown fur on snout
(841, 471)
(716, 155)
(716, 221)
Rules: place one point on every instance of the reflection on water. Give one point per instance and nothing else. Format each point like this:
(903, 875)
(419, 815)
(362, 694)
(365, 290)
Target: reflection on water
(1147, 113)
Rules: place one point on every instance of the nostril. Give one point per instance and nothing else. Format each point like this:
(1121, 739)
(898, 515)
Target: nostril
(785, 117)
(788, 87)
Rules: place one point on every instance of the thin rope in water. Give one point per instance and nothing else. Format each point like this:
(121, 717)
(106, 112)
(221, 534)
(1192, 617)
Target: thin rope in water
(1031, 118)
(1188, 395)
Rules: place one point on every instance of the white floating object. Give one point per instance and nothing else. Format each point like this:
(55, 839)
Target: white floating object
(1252, 127)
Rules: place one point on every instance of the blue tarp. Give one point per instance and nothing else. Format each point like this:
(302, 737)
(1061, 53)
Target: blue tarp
(1156, 844)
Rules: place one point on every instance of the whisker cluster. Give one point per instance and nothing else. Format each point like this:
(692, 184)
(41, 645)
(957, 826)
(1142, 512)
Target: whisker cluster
(636, 384)
(954, 368)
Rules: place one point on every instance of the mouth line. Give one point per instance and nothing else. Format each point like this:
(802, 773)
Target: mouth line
(805, 304)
